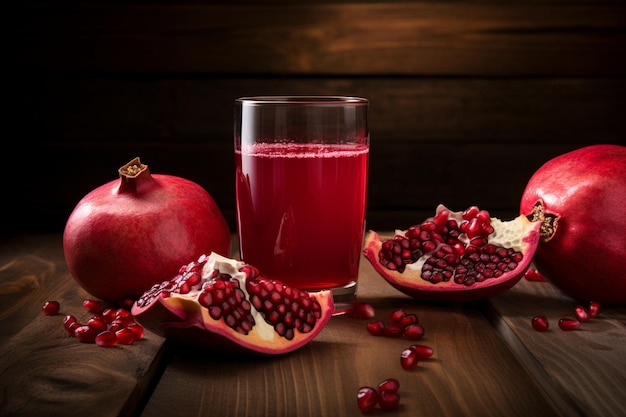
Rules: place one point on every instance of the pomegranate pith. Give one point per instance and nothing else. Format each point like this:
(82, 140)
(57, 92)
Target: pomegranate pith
(455, 256)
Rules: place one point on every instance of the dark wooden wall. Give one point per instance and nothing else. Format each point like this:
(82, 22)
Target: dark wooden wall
(468, 98)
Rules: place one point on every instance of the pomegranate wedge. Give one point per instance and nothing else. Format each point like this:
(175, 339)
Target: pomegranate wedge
(455, 256)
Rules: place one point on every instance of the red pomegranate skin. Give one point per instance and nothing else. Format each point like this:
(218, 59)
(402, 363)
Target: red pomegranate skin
(129, 234)
(586, 257)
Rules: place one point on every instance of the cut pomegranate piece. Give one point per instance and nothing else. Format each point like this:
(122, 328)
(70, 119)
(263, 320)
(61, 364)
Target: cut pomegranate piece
(454, 256)
(225, 304)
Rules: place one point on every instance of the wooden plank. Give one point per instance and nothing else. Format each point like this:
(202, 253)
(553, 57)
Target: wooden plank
(42, 368)
(165, 109)
(476, 38)
(588, 364)
(472, 373)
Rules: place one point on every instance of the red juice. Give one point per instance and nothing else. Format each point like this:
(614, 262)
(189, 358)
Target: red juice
(301, 211)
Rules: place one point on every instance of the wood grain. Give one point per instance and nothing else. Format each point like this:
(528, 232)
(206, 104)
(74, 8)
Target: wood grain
(480, 39)
(589, 364)
(473, 373)
(44, 371)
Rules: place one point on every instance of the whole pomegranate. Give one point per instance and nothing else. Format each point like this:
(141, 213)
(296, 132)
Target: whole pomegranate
(128, 234)
(580, 197)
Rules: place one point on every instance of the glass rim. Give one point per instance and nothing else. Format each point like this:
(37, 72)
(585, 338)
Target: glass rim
(320, 100)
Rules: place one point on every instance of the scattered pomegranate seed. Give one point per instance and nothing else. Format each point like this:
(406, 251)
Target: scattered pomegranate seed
(107, 327)
(532, 274)
(363, 310)
(93, 306)
(414, 332)
(367, 398)
(393, 330)
(409, 319)
(97, 324)
(594, 308)
(85, 333)
(51, 308)
(127, 303)
(106, 339)
(125, 336)
(397, 316)
(540, 323)
(390, 384)
(423, 351)
(376, 328)
(137, 329)
(581, 314)
(388, 400)
(568, 324)
(409, 359)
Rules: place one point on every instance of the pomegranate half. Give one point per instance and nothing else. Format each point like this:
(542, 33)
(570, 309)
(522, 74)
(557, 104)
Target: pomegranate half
(226, 305)
(455, 256)
(580, 197)
(130, 233)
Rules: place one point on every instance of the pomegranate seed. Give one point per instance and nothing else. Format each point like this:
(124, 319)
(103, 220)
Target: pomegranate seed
(532, 274)
(376, 328)
(69, 323)
(108, 314)
(540, 323)
(125, 336)
(594, 308)
(423, 351)
(106, 339)
(568, 324)
(414, 332)
(363, 310)
(367, 398)
(93, 306)
(97, 325)
(470, 212)
(388, 400)
(390, 384)
(408, 359)
(137, 329)
(581, 314)
(409, 319)
(51, 308)
(85, 333)
(397, 316)
(393, 330)
(127, 303)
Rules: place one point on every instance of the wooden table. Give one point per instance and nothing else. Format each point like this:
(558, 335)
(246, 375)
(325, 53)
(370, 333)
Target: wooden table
(488, 360)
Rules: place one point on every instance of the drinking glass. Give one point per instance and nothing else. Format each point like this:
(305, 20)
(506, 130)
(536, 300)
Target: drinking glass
(301, 189)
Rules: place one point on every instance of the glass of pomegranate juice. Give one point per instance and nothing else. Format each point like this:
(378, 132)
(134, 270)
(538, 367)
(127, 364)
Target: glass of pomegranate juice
(301, 188)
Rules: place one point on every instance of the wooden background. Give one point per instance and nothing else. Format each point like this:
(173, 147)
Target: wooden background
(468, 98)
